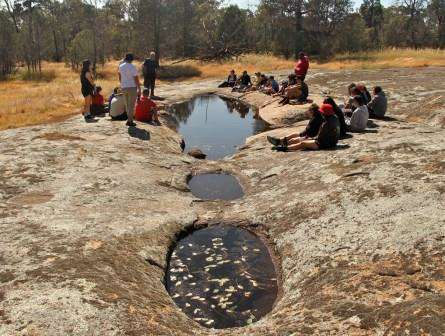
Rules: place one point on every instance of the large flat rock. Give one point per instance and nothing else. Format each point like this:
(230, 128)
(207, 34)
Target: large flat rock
(88, 212)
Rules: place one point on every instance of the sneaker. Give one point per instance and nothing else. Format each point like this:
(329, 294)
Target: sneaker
(274, 141)
(88, 117)
(130, 124)
(281, 149)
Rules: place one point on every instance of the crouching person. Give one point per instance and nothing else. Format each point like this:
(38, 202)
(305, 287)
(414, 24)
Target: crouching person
(98, 103)
(146, 109)
(326, 137)
(117, 107)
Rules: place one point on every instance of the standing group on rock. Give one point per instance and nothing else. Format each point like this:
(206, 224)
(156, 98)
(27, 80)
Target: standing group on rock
(128, 101)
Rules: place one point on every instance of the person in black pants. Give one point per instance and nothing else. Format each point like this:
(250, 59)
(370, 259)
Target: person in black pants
(149, 70)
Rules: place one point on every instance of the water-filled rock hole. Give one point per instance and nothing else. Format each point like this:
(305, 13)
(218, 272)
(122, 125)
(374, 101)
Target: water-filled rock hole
(215, 125)
(215, 186)
(222, 276)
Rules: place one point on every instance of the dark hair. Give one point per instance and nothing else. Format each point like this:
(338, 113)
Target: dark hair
(146, 92)
(301, 54)
(271, 77)
(129, 57)
(85, 66)
(329, 100)
(98, 89)
(292, 76)
(116, 89)
(377, 89)
(232, 71)
(356, 92)
(359, 100)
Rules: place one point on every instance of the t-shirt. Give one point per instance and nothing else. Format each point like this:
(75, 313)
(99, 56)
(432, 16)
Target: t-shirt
(98, 100)
(149, 67)
(275, 86)
(245, 80)
(144, 109)
(302, 66)
(128, 71)
(117, 106)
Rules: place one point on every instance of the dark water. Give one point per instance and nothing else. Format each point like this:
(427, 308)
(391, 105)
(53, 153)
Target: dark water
(215, 125)
(222, 277)
(215, 187)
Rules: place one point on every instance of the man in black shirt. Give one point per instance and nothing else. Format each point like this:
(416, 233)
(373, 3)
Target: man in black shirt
(149, 70)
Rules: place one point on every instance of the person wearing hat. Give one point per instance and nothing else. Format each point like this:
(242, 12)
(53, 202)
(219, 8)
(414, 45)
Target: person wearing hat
(326, 137)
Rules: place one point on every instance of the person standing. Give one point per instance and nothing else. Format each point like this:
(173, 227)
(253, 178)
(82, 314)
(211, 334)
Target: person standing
(149, 70)
(87, 88)
(302, 66)
(130, 85)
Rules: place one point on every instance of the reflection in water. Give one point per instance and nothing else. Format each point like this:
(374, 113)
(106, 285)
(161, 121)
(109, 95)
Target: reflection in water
(222, 277)
(215, 187)
(211, 124)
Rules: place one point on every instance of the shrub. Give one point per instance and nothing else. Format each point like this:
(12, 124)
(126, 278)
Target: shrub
(170, 72)
(44, 76)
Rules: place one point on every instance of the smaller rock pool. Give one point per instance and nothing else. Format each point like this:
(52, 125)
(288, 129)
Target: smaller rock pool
(222, 277)
(211, 186)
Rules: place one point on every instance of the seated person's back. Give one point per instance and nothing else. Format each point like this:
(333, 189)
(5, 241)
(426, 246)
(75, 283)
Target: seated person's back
(359, 119)
(117, 107)
(379, 103)
(329, 131)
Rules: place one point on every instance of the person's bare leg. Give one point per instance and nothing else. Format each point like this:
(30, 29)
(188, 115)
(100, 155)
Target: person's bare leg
(306, 144)
(294, 141)
(87, 105)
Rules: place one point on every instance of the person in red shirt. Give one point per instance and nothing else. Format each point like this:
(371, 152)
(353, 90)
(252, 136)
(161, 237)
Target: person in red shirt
(302, 66)
(98, 103)
(146, 109)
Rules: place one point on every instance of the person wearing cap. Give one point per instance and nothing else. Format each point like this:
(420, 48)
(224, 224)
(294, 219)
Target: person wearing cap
(359, 119)
(131, 88)
(302, 66)
(311, 130)
(326, 137)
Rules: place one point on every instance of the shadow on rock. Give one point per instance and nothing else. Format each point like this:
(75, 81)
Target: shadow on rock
(139, 133)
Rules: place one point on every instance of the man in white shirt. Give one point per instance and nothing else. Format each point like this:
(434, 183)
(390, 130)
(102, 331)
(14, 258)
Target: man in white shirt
(131, 88)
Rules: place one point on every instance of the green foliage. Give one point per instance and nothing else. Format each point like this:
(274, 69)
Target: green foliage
(43, 76)
(171, 72)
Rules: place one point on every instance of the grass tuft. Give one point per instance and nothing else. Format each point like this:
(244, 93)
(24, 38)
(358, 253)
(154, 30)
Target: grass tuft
(44, 76)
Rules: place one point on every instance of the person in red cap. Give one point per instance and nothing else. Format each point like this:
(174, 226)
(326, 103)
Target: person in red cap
(327, 136)
(146, 109)
(302, 66)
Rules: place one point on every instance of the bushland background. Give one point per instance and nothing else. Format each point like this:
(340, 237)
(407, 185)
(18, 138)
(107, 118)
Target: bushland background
(42, 42)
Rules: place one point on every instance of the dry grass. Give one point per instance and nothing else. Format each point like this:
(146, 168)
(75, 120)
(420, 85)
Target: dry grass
(35, 102)
(387, 58)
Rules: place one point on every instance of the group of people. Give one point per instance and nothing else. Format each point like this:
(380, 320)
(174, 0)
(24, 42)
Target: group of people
(294, 88)
(128, 102)
(330, 122)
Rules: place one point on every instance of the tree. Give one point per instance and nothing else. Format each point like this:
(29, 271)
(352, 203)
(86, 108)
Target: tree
(372, 13)
(437, 11)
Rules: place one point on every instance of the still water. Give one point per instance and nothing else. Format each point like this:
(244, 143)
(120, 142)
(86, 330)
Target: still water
(215, 125)
(215, 187)
(222, 277)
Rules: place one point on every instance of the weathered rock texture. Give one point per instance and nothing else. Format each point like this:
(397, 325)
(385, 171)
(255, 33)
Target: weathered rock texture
(88, 211)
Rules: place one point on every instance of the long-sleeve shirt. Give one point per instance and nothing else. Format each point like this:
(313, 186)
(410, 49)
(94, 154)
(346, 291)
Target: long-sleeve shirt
(378, 105)
(313, 126)
(359, 120)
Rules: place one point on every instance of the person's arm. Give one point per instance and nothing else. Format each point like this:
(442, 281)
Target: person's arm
(372, 103)
(90, 78)
(136, 80)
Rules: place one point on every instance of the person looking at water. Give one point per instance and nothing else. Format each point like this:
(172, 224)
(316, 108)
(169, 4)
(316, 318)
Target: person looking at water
(231, 80)
(87, 88)
(302, 66)
(327, 136)
(146, 109)
(244, 82)
(149, 70)
(130, 85)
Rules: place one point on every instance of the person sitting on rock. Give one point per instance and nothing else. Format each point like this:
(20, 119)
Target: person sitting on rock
(364, 93)
(113, 94)
(272, 86)
(231, 80)
(146, 109)
(327, 136)
(98, 103)
(117, 107)
(298, 91)
(359, 119)
(340, 115)
(379, 104)
(311, 130)
(244, 83)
